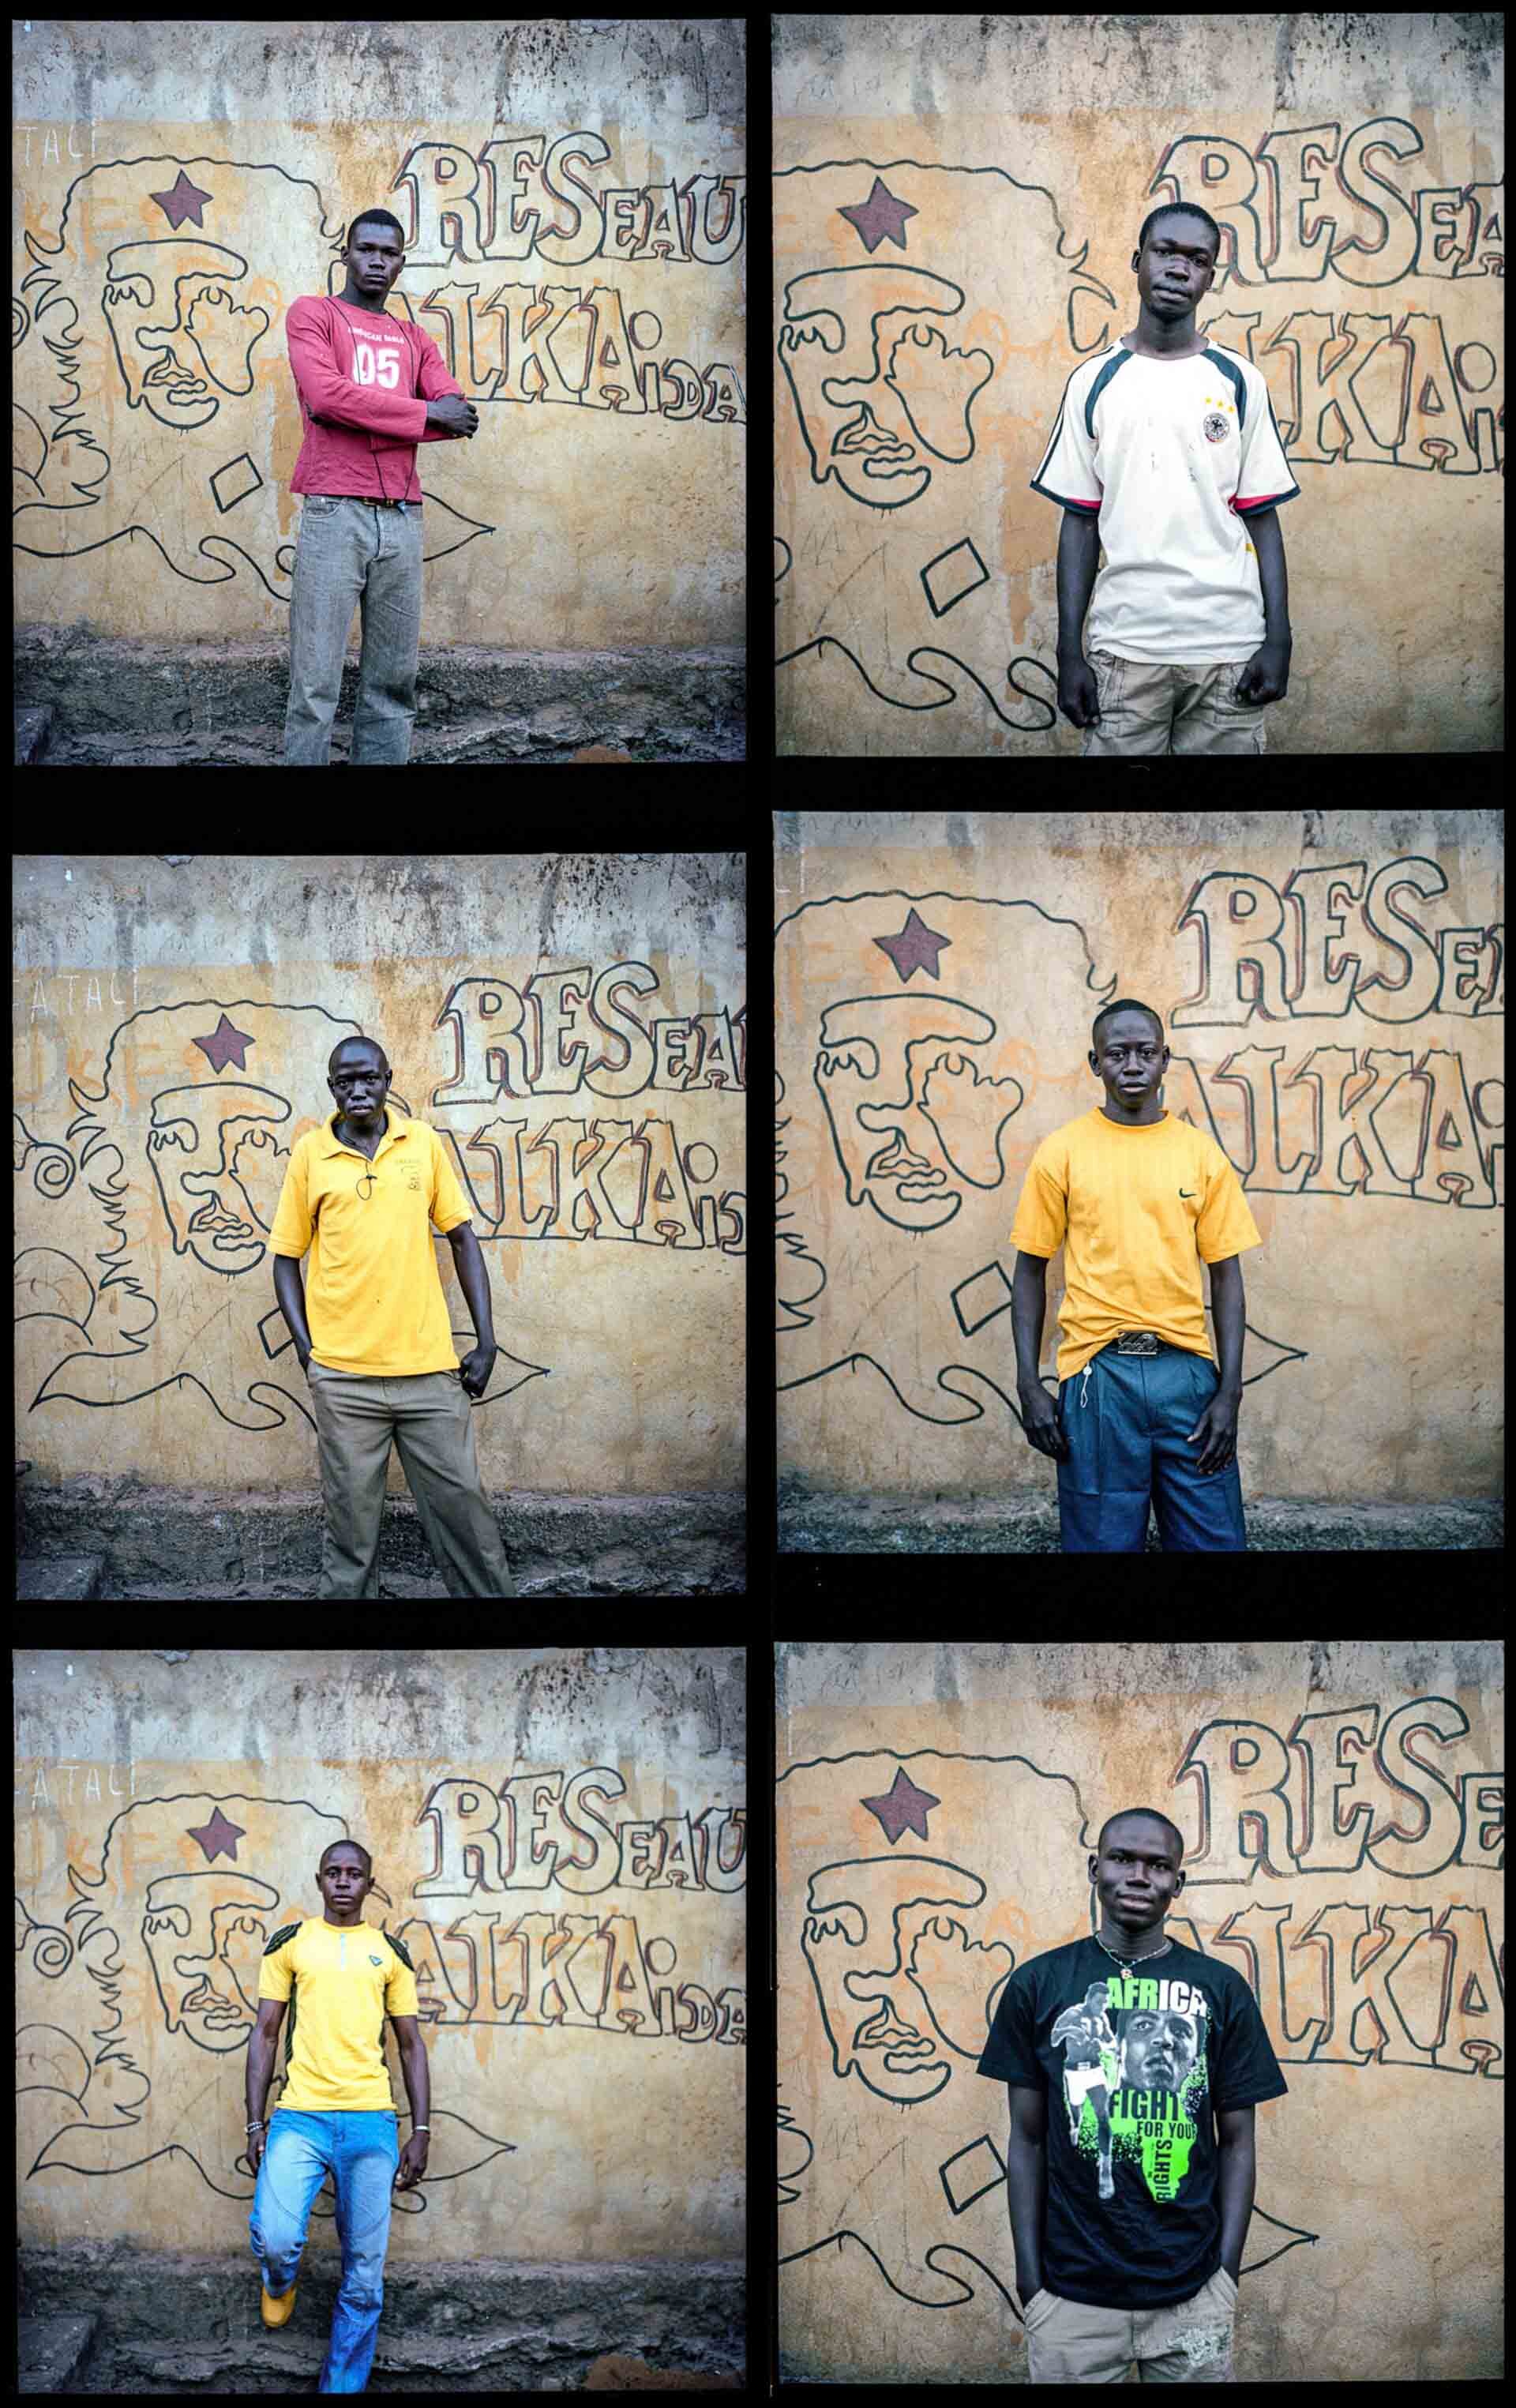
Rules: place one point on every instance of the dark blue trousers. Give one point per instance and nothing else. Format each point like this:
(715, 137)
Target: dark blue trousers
(1127, 1419)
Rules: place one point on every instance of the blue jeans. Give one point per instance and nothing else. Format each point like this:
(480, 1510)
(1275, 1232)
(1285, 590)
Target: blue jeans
(361, 2151)
(1127, 1419)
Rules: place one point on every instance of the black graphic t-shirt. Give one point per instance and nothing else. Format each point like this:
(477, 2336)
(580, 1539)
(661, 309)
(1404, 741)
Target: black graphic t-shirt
(1135, 2066)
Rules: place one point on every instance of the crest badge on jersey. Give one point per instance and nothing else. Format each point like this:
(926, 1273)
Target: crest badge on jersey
(1217, 425)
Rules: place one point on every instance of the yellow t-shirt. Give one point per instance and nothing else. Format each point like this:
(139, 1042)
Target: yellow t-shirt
(1137, 1210)
(340, 1985)
(374, 1294)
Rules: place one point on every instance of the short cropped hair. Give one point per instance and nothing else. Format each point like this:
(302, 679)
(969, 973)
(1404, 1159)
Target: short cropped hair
(1128, 1815)
(368, 1861)
(1123, 1003)
(376, 217)
(373, 1044)
(1181, 210)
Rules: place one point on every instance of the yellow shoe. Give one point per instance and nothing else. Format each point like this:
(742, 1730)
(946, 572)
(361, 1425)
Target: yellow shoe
(278, 2312)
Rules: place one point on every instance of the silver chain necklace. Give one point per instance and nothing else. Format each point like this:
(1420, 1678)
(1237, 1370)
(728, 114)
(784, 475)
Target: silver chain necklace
(1132, 1960)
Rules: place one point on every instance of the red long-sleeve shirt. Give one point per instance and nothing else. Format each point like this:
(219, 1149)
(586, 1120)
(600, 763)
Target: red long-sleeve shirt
(364, 379)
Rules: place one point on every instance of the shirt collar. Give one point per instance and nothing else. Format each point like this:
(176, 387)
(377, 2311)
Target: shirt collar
(394, 1127)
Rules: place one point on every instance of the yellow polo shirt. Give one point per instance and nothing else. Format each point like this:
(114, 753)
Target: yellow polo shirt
(339, 1986)
(374, 1294)
(1136, 1212)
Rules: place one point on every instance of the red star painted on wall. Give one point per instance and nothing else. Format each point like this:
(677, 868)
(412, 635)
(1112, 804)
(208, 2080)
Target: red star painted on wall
(218, 1838)
(228, 1044)
(881, 214)
(184, 202)
(903, 1809)
(916, 947)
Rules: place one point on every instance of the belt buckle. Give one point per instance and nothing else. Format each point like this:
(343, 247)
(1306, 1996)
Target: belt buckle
(1136, 1341)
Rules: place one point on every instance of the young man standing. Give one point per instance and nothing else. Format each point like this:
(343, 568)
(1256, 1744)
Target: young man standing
(361, 1194)
(341, 1976)
(362, 376)
(1166, 453)
(1133, 2065)
(1138, 1201)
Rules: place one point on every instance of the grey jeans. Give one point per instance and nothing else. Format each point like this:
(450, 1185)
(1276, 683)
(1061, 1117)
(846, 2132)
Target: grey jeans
(365, 552)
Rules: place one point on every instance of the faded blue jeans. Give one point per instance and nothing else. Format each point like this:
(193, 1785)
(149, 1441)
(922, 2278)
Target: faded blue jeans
(369, 555)
(361, 2151)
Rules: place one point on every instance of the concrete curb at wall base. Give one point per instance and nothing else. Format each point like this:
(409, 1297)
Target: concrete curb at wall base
(109, 2317)
(271, 1543)
(85, 697)
(811, 1524)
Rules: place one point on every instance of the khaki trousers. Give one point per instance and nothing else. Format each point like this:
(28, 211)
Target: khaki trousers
(1191, 708)
(430, 1420)
(1067, 2342)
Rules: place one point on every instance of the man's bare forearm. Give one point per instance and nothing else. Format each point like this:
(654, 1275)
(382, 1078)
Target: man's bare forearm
(1079, 557)
(1268, 543)
(1026, 2193)
(1229, 1310)
(1238, 2173)
(290, 1294)
(417, 2073)
(474, 1280)
(261, 2055)
(1028, 1310)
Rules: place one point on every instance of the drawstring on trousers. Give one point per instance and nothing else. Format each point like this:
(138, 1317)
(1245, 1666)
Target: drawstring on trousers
(1084, 1382)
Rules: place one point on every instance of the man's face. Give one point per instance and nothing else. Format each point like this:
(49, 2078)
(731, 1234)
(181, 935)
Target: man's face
(1159, 2050)
(360, 1081)
(1131, 1061)
(1139, 1860)
(375, 260)
(343, 1884)
(1176, 253)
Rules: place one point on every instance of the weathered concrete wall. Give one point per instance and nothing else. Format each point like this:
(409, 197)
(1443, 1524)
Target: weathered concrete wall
(999, 169)
(558, 1837)
(1342, 1811)
(573, 195)
(609, 1196)
(1332, 990)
